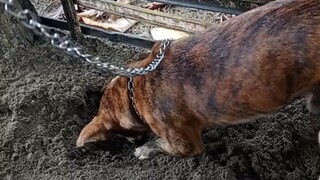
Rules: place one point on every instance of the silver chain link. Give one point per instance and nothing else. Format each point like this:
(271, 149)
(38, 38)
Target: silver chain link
(132, 98)
(29, 20)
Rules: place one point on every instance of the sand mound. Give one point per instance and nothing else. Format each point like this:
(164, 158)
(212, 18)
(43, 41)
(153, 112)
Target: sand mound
(46, 98)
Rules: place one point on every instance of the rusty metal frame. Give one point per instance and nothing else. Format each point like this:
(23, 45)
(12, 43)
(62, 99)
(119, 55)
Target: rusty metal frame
(71, 16)
(141, 14)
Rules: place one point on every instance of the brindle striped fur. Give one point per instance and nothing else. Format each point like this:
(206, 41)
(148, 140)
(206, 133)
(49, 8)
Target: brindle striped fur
(249, 66)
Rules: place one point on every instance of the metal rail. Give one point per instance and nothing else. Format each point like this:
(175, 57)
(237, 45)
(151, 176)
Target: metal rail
(204, 6)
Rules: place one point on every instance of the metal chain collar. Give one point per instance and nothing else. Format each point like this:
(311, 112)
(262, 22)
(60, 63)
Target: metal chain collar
(29, 20)
(132, 98)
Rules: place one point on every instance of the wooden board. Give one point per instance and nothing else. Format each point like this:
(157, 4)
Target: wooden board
(146, 15)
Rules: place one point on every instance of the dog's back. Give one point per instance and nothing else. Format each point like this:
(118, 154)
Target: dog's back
(252, 64)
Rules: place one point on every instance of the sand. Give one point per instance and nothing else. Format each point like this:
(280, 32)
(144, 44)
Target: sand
(46, 98)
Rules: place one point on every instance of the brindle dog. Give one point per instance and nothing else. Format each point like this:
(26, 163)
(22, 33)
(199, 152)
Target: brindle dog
(247, 67)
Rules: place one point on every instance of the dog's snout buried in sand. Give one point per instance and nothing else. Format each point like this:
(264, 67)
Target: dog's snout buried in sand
(247, 67)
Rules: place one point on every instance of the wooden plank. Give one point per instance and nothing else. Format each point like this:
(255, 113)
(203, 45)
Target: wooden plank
(70, 12)
(146, 15)
(98, 32)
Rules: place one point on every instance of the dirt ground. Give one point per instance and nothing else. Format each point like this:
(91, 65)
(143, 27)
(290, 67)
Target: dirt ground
(46, 98)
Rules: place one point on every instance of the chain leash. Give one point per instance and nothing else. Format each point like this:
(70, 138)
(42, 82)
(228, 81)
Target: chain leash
(132, 98)
(29, 20)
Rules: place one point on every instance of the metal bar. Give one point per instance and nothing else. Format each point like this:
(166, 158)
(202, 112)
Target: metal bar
(112, 36)
(70, 12)
(148, 16)
(204, 6)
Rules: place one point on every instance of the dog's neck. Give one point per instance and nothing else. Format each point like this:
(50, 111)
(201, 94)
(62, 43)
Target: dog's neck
(118, 102)
(119, 92)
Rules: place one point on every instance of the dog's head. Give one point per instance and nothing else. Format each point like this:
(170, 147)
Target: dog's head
(115, 115)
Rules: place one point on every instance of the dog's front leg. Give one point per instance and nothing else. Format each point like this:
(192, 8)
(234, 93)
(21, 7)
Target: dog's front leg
(96, 130)
(314, 100)
(150, 149)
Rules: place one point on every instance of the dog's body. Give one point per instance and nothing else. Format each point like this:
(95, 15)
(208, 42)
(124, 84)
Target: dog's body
(249, 66)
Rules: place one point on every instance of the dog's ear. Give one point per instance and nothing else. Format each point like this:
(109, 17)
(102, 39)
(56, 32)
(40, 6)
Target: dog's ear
(94, 131)
(155, 49)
